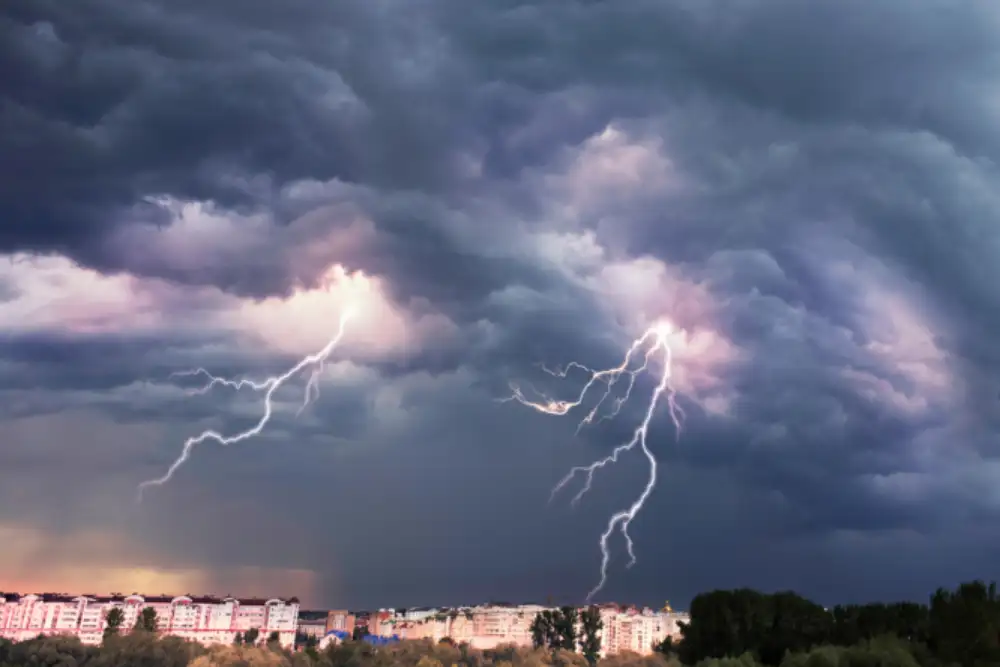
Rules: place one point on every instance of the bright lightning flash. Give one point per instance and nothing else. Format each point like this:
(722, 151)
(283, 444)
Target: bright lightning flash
(655, 339)
(316, 363)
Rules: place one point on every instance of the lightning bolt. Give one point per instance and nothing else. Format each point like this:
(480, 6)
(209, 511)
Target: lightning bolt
(655, 339)
(316, 363)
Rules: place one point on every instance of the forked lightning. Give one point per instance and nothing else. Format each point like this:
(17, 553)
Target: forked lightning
(315, 362)
(655, 339)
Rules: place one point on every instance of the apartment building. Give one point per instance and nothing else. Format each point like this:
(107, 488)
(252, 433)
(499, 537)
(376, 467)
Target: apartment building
(637, 630)
(204, 619)
(311, 624)
(339, 621)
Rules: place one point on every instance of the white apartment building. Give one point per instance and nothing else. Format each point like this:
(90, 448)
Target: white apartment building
(204, 619)
(632, 629)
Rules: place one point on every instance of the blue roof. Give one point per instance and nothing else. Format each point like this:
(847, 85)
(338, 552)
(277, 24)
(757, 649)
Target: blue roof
(376, 640)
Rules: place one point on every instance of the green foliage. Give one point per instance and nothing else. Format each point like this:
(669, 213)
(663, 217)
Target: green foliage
(666, 648)
(858, 623)
(564, 626)
(882, 652)
(745, 660)
(251, 636)
(590, 640)
(146, 621)
(114, 619)
(555, 629)
(50, 652)
(734, 623)
(958, 628)
(964, 625)
(144, 649)
(542, 629)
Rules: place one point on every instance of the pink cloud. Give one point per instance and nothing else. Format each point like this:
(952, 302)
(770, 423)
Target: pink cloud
(304, 321)
(644, 291)
(608, 172)
(641, 291)
(900, 336)
(105, 561)
(53, 294)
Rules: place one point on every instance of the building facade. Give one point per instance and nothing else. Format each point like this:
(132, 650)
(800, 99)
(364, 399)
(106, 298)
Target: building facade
(339, 620)
(204, 619)
(637, 630)
(312, 628)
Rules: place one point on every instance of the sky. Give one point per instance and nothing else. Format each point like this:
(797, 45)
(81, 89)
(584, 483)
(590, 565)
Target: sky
(807, 191)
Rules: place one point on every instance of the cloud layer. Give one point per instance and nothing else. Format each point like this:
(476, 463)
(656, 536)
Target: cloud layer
(806, 191)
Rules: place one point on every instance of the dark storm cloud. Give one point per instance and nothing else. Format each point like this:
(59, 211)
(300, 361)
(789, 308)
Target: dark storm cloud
(825, 153)
(109, 105)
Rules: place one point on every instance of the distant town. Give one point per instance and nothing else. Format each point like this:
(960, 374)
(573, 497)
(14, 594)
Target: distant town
(232, 620)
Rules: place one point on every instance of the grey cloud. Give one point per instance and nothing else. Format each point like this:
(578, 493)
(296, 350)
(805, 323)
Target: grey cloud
(853, 132)
(139, 101)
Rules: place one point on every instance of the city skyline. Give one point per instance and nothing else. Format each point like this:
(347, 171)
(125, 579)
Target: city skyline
(797, 200)
(118, 596)
(228, 620)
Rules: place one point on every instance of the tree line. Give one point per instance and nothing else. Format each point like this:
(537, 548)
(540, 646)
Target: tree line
(733, 628)
(956, 627)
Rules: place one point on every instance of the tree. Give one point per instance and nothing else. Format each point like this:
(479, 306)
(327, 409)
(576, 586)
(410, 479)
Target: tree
(724, 623)
(555, 629)
(797, 624)
(146, 621)
(883, 652)
(666, 648)
(359, 633)
(51, 651)
(251, 636)
(853, 624)
(113, 621)
(144, 649)
(238, 639)
(964, 625)
(542, 630)
(734, 623)
(274, 640)
(564, 625)
(590, 642)
(744, 660)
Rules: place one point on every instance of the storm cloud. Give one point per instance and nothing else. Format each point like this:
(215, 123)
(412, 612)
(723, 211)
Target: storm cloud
(807, 190)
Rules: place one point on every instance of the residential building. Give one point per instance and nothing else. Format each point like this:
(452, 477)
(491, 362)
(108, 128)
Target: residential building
(339, 620)
(204, 619)
(361, 620)
(311, 625)
(637, 630)
(381, 623)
